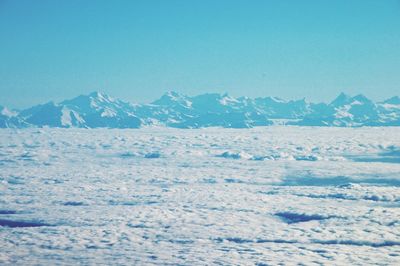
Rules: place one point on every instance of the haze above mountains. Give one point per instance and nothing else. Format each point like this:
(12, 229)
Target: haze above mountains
(97, 110)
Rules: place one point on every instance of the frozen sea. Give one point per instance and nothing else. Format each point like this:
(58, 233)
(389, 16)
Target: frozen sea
(262, 196)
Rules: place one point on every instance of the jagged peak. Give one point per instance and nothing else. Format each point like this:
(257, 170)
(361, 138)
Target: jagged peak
(361, 98)
(227, 99)
(271, 99)
(302, 101)
(7, 112)
(172, 97)
(244, 98)
(393, 100)
(95, 94)
(92, 99)
(341, 99)
(173, 94)
(277, 99)
(100, 96)
(214, 95)
(49, 103)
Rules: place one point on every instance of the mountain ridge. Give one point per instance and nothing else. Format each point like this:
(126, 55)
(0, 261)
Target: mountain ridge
(173, 109)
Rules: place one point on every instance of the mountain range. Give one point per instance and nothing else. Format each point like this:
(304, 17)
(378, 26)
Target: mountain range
(98, 110)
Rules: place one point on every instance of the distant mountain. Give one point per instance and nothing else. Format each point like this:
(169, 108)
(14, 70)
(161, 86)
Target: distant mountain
(91, 111)
(9, 119)
(98, 110)
(394, 100)
(344, 111)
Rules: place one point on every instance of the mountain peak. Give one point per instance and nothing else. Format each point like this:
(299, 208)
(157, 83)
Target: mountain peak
(342, 99)
(271, 99)
(6, 112)
(227, 99)
(102, 97)
(361, 98)
(172, 98)
(173, 94)
(49, 104)
(94, 94)
(277, 99)
(393, 100)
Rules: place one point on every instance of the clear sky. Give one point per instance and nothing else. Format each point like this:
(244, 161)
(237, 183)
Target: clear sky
(137, 50)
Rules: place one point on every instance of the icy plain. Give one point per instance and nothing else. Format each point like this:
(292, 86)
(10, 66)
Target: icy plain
(261, 196)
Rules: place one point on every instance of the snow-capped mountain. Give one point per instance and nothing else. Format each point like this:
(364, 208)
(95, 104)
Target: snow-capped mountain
(93, 110)
(211, 109)
(343, 111)
(9, 119)
(100, 110)
(347, 111)
(277, 108)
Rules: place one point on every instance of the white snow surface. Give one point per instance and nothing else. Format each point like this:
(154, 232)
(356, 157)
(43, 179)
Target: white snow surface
(151, 196)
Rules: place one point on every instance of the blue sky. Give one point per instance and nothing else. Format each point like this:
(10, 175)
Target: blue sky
(137, 50)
